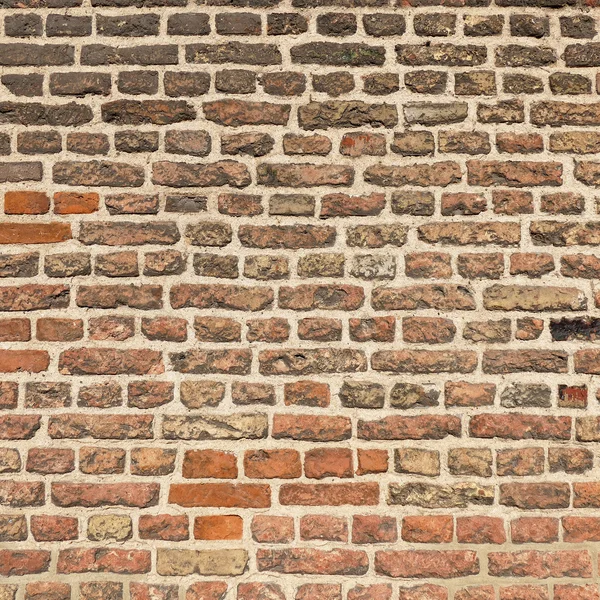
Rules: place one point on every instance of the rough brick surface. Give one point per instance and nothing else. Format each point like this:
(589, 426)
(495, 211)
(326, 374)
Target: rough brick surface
(299, 299)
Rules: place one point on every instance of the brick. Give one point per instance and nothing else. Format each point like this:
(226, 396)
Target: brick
(448, 55)
(272, 529)
(46, 528)
(233, 52)
(218, 527)
(220, 494)
(172, 528)
(426, 563)
(72, 494)
(434, 529)
(102, 54)
(541, 564)
(423, 175)
(309, 561)
(323, 527)
(26, 562)
(15, 330)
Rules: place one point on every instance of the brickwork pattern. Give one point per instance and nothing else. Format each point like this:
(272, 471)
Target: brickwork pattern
(299, 300)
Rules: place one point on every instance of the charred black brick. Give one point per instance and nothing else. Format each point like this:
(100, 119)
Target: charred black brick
(127, 25)
(36, 113)
(138, 82)
(233, 52)
(334, 84)
(24, 85)
(68, 26)
(36, 55)
(382, 25)
(235, 81)
(4, 144)
(179, 83)
(338, 54)
(39, 142)
(434, 24)
(186, 204)
(238, 24)
(579, 26)
(336, 24)
(80, 84)
(136, 141)
(23, 25)
(529, 26)
(286, 24)
(100, 54)
(483, 26)
(583, 328)
(188, 24)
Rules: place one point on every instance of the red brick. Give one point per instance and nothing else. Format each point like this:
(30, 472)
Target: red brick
(435, 529)
(227, 495)
(373, 529)
(329, 494)
(533, 563)
(17, 361)
(173, 528)
(218, 527)
(272, 530)
(15, 330)
(320, 463)
(26, 203)
(480, 530)
(103, 560)
(307, 561)
(443, 564)
(323, 527)
(38, 233)
(23, 562)
(272, 464)
(76, 203)
(209, 463)
(49, 528)
(540, 530)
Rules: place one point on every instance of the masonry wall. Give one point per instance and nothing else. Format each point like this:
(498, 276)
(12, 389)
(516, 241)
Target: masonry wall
(299, 300)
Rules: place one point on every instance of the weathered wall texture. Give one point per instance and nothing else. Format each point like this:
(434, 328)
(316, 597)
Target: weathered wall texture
(299, 300)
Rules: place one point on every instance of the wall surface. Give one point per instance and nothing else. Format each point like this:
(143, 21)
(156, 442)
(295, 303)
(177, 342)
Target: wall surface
(299, 300)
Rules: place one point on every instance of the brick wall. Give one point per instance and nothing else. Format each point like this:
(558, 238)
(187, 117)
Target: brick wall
(299, 300)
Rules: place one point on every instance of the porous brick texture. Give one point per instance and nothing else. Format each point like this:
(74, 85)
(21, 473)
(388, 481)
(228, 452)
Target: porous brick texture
(299, 300)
